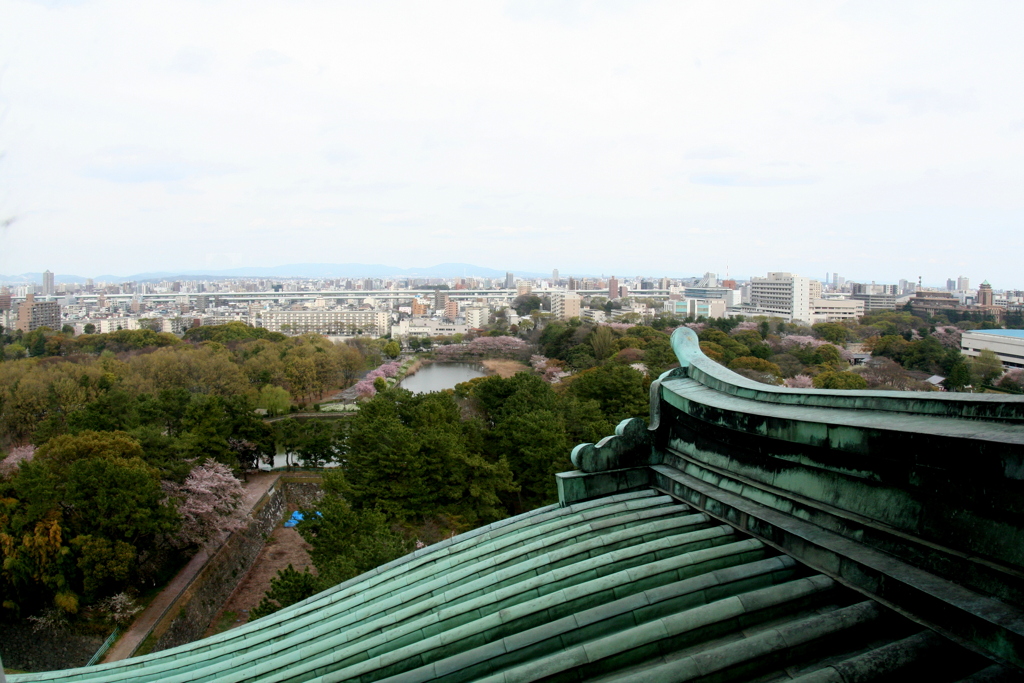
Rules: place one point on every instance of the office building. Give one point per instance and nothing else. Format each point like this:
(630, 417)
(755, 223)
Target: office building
(48, 288)
(783, 295)
(1007, 344)
(875, 297)
(835, 310)
(613, 288)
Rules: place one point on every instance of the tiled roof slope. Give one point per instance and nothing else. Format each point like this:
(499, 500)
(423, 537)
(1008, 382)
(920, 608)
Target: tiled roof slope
(634, 586)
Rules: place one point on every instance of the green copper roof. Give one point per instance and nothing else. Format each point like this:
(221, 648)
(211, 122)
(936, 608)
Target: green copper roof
(611, 587)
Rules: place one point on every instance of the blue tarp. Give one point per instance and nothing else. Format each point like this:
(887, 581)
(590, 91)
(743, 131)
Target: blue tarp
(296, 518)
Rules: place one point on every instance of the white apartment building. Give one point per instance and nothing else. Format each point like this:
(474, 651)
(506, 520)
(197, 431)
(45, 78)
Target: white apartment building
(784, 295)
(476, 316)
(593, 315)
(565, 305)
(376, 323)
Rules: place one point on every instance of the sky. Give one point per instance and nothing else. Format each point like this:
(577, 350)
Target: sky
(875, 139)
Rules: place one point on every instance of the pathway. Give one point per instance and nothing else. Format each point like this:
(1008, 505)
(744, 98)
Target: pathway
(257, 485)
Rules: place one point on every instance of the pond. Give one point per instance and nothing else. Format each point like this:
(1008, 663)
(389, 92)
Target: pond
(440, 376)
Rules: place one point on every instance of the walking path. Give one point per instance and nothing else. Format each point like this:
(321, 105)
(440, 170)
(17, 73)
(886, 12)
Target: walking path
(257, 485)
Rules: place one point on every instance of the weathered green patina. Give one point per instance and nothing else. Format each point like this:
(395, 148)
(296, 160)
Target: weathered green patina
(747, 533)
(913, 498)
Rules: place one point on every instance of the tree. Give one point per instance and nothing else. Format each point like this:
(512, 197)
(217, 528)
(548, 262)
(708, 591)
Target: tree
(275, 400)
(986, 367)
(603, 342)
(83, 511)
(89, 328)
(620, 390)
(208, 503)
(392, 349)
(959, 377)
(754, 363)
(833, 333)
(415, 457)
(525, 303)
(839, 380)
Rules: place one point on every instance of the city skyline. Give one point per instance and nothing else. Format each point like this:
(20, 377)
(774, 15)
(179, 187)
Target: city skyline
(450, 271)
(633, 138)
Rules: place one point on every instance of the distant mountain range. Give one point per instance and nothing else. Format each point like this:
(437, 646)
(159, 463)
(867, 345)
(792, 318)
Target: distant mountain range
(303, 270)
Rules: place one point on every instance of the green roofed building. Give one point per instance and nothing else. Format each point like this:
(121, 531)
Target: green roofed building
(746, 533)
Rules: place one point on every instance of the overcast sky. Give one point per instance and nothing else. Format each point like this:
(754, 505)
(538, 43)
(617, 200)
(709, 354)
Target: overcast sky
(882, 140)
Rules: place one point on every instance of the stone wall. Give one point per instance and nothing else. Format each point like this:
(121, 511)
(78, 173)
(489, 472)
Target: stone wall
(303, 493)
(189, 616)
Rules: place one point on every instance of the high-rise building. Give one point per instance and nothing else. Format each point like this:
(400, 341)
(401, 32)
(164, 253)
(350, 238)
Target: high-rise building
(783, 295)
(451, 310)
(89, 285)
(34, 314)
(565, 305)
(613, 288)
(554, 276)
(950, 285)
(440, 299)
(48, 288)
(476, 316)
(963, 283)
(510, 280)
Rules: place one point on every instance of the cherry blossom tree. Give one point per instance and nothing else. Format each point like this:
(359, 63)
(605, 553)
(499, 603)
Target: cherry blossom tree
(800, 382)
(949, 336)
(208, 503)
(365, 387)
(18, 455)
(804, 340)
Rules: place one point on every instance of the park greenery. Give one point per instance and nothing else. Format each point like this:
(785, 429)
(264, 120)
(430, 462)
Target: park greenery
(120, 453)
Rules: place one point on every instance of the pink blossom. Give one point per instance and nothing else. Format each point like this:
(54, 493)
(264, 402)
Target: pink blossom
(483, 346)
(208, 503)
(949, 336)
(697, 327)
(365, 386)
(18, 454)
(801, 340)
(745, 325)
(800, 382)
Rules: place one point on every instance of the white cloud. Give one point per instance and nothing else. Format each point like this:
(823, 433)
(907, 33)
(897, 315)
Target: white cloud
(666, 134)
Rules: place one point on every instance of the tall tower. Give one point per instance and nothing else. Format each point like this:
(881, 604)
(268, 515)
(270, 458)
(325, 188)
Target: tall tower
(554, 276)
(48, 283)
(510, 280)
(613, 288)
(985, 294)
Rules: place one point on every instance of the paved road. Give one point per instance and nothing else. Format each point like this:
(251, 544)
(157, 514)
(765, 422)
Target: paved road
(257, 485)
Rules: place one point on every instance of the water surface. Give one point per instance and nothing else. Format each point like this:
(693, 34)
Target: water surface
(440, 376)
